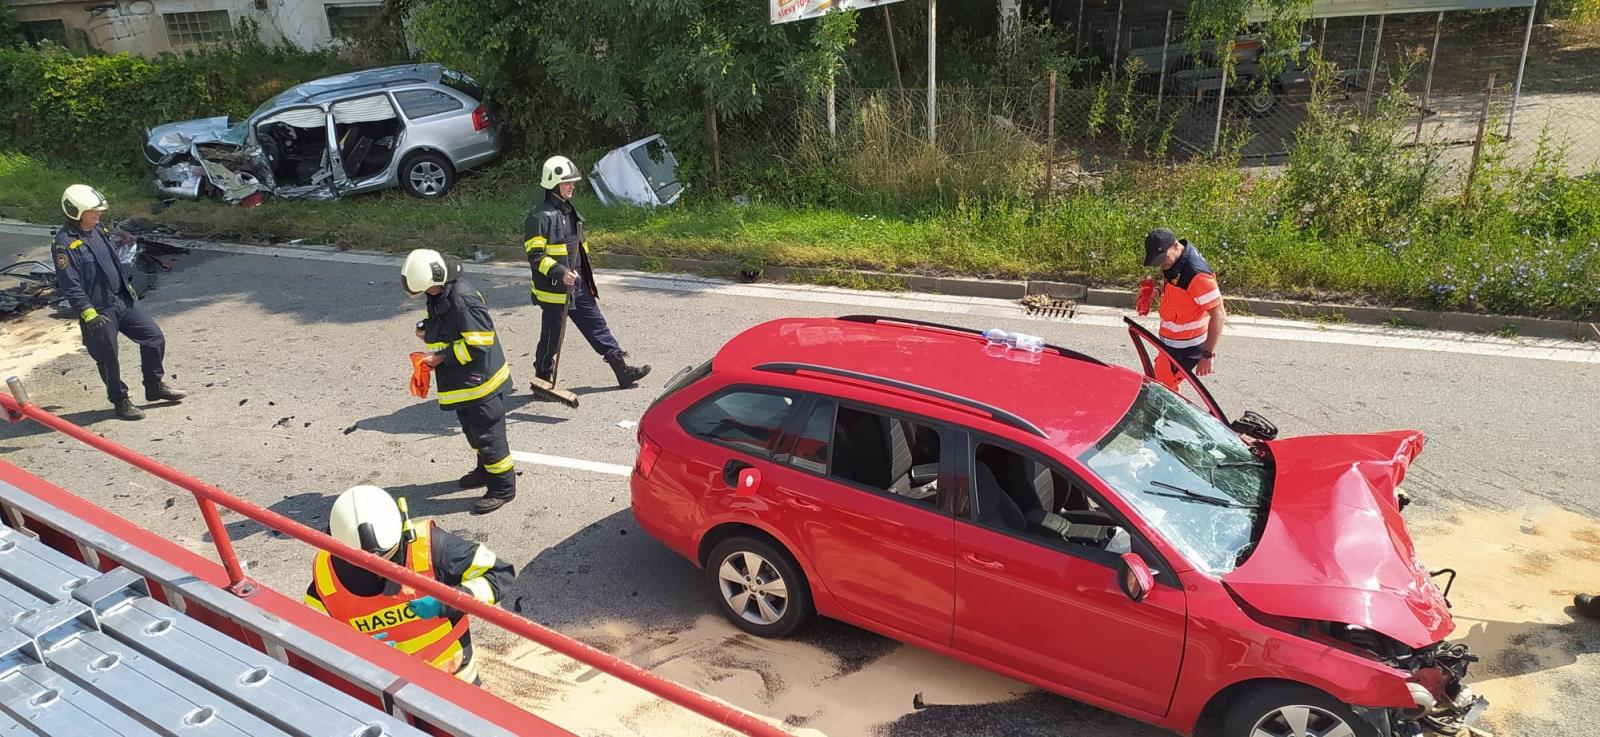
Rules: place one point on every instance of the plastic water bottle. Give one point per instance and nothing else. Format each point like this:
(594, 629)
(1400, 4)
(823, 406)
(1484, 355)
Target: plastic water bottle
(1029, 343)
(996, 336)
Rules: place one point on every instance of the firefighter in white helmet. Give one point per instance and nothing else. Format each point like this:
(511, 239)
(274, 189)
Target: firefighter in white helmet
(96, 286)
(563, 278)
(469, 369)
(367, 518)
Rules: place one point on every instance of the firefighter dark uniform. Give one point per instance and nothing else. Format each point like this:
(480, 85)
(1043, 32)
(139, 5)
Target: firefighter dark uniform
(378, 607)
(554, 238)
(1187, 298)
(89, 275)
(471, 382)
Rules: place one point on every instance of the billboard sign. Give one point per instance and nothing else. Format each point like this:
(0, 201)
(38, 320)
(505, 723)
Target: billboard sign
(783, 11)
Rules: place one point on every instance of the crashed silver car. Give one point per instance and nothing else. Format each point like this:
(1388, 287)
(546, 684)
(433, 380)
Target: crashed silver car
(415, 127)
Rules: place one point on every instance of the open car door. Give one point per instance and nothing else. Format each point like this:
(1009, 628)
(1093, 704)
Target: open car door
(1151, 350)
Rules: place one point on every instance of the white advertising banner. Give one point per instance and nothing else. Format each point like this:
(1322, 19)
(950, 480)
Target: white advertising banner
(784, 11)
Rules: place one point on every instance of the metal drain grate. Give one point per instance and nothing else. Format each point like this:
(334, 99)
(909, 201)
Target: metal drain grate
(1040, 305)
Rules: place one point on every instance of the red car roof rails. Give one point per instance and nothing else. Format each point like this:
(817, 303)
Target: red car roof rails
(882, 320)
(907, 388)
(17, 407)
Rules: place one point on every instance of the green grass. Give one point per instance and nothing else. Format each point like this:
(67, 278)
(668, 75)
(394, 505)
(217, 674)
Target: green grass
(1501, 260)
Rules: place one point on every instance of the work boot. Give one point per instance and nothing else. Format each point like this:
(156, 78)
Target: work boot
(476, 479)
(163, 393)
(1587, 605)
(628, 376)
(488, 503)
(126, 411)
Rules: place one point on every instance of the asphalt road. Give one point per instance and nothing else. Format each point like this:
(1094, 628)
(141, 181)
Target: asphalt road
(298, 372)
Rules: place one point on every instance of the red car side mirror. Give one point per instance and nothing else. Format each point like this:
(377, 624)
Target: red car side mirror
(1135, 577)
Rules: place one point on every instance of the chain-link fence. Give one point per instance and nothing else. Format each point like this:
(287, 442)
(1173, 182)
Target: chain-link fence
(1165, 100)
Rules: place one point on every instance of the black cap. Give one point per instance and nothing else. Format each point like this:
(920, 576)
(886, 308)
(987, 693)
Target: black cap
(1156, 245)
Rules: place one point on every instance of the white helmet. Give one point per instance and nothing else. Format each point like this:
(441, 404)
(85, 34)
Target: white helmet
(426, 268)
(80, 198)
(558, 169)
(366, 518)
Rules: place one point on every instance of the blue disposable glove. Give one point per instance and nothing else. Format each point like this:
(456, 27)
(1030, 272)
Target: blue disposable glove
(427, 607)
(383, 637)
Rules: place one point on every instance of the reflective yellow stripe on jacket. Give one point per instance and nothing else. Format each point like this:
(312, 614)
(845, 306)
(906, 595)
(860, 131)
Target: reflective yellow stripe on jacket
(555, 298)
(476, 392)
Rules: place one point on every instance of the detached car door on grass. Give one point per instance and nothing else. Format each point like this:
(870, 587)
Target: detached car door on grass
(1037, 584)
(864, 488)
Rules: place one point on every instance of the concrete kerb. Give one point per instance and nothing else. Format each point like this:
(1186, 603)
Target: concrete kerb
(1460, 322)
(1401, 317)
(1530, 327)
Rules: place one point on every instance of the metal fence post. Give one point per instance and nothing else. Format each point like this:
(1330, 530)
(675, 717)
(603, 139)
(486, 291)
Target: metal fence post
(1361, 48)
(1116, 42)
(833, 114)
(1161, 83)
(1222, 97)
(1516, 92)
(1477, 143)
(1427, 86)
(933, 56)
(1050, 138)
(1372, 76)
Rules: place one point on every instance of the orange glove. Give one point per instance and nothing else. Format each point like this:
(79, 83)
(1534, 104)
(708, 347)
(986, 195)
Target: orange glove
(421, 375)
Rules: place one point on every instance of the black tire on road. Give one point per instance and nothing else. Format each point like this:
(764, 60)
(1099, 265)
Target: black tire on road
(758, 587)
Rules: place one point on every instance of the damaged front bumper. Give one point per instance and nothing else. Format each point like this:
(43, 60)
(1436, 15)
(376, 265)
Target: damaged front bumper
(1446, 705)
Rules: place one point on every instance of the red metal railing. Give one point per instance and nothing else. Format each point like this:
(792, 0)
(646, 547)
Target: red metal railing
(17, 407)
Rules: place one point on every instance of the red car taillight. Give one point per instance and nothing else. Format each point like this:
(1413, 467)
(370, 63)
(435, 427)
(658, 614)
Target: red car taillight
(648, 453)
(480, 117)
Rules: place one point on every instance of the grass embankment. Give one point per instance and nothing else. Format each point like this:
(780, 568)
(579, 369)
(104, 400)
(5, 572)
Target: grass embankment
(1094, 236)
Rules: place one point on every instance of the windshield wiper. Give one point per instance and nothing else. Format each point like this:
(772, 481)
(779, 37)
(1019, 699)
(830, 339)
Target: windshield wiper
(1182, 493)
(1211, 470)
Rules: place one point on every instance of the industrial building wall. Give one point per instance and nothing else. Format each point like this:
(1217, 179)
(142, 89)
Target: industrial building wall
(149, 27)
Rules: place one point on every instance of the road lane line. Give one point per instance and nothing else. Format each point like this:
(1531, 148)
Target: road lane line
(540, 459)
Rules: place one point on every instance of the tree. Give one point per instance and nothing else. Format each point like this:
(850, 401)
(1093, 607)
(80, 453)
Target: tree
(10, 33)
(568, 71)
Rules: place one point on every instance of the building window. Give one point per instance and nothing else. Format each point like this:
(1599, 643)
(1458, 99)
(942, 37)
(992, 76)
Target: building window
(37, 31)
(192, 29)
(352, 21)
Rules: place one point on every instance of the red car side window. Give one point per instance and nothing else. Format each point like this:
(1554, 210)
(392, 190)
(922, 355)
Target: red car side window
(747, 420)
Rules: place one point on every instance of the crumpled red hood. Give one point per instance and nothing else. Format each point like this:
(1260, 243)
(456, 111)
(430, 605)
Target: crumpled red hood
(1335, 547)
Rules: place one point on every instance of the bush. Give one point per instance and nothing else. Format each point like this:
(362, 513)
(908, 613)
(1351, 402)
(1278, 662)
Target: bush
(1349, 174)
(94, 108)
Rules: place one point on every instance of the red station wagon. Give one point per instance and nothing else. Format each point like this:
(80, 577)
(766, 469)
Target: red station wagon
(1062, 521)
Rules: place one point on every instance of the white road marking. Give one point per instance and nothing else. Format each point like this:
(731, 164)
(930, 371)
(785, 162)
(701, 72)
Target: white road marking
(540, 459)
(1264, 328)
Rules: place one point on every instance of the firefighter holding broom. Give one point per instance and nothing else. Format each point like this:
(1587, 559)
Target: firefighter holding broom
(563, 281)
(469, 367)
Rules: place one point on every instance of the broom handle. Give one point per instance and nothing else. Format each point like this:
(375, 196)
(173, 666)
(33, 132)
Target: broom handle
(561, 338)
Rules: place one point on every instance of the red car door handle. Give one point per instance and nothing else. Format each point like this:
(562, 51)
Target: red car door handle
(804, 505)
(982, 562)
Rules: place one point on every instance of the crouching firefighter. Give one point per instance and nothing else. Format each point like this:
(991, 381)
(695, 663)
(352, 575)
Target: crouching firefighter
(366, 517)
(563, 277)
(469, 369)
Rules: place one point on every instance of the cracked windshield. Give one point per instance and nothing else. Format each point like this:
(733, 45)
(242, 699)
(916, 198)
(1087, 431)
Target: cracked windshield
(1187, 474)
